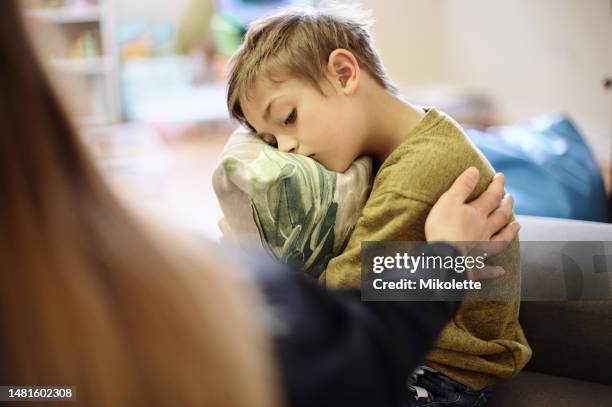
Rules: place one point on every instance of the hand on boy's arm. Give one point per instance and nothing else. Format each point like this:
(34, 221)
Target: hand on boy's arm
(394, 216)
(483, 224)
(484, 219)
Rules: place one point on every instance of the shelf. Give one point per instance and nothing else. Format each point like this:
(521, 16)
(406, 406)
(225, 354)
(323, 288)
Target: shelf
(81, 48)
(93, 121)
(66, 15)
(83, 66)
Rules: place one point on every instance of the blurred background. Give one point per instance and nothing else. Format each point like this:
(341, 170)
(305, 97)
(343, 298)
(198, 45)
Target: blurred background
(530, 81)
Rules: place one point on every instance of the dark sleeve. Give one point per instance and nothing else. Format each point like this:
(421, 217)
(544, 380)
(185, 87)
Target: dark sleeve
(335, 350)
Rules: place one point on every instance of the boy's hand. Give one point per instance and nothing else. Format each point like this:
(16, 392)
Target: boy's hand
(228, 235)
(482, 224)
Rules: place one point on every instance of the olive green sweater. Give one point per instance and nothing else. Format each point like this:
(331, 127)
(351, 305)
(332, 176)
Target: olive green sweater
(484, 342)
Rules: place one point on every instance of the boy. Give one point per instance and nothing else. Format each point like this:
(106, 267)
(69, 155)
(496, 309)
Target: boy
(311, 83)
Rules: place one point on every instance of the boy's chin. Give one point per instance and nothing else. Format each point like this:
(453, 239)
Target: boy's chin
(336, 167)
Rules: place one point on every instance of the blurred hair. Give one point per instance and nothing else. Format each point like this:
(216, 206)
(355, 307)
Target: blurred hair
(296, 43)
(92, 295)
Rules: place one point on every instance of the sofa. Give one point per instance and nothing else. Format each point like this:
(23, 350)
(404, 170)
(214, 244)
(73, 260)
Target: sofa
(571, 340)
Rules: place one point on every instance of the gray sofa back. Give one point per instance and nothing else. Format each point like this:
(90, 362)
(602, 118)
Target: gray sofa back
(569, 338)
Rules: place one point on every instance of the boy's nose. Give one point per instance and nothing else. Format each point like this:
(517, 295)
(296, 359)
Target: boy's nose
(286, 144)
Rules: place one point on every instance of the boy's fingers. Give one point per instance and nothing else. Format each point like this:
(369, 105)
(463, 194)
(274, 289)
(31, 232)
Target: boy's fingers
(222, 224)
(500, 217)
(464, 185)
(227, 232)
(491, 197)
(225, 241)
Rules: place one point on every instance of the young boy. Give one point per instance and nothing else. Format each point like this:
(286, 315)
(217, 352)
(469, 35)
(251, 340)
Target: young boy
(311, 83)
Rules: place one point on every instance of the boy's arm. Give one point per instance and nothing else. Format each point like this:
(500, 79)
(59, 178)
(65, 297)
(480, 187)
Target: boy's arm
(389, 216)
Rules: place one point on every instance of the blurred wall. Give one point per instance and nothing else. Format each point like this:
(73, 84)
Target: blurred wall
(537, 56)
(410, 38)
(529, 57)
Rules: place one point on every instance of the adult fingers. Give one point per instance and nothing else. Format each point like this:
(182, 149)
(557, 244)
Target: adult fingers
(486, 273)
(500, 217)
(499, 241)
(491, 197)
(463, 186)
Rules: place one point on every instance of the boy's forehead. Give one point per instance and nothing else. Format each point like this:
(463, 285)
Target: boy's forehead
(264, 90)
(255, 100)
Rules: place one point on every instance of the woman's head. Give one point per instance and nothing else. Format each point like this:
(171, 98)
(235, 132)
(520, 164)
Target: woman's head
(91, 295)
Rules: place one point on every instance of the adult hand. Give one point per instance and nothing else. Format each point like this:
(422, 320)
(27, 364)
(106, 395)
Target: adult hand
(482, 224)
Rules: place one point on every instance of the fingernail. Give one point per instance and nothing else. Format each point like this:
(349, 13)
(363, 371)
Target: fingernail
(517, 226)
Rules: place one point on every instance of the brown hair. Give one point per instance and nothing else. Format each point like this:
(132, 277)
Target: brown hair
(93, 296)
(297, 42)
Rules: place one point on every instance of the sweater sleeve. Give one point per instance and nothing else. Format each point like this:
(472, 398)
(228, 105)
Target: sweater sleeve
(388, 216)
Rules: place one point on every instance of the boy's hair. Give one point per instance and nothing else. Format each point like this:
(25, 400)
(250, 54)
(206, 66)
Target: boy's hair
(297, 42)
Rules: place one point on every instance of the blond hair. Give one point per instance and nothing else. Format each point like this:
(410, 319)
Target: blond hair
(93, 296)
(297, 42)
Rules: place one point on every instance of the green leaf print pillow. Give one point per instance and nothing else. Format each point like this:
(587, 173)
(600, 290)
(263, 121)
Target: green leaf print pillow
(297, 210)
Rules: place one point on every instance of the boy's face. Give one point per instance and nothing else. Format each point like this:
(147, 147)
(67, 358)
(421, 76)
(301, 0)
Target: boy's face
(296, 117)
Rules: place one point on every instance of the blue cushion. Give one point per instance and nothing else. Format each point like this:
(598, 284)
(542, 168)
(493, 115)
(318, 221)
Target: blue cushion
(549, 169)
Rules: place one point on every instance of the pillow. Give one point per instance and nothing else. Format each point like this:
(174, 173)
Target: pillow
(297, 210)
(550, 170)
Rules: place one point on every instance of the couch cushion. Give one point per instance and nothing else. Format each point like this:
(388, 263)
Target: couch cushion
(550, 170)
(535, 228)
(537, 389)
(570, 338)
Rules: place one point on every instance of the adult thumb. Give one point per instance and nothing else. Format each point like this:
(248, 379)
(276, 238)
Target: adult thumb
(464, 184)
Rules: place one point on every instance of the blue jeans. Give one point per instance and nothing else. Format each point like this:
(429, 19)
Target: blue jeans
(430, 388)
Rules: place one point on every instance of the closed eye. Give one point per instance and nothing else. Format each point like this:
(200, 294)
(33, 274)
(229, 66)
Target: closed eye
(269, 139)
(291, 118)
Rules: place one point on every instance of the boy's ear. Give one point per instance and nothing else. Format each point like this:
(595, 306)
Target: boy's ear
(343, 68)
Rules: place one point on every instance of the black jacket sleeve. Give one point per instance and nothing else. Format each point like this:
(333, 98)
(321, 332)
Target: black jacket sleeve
(335, 350)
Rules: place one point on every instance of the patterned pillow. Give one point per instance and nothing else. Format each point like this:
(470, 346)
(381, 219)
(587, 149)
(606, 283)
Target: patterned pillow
(297, 210)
